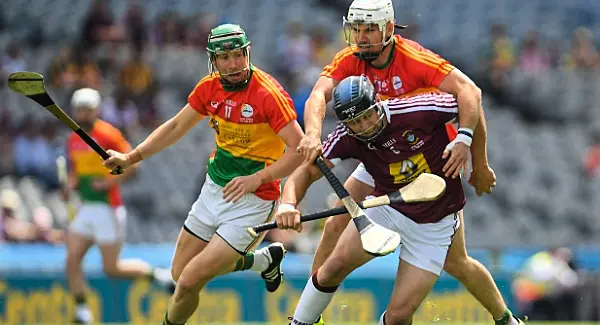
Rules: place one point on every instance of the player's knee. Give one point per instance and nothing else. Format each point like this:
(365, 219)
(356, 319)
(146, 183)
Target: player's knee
(333, 272)
(401, 315)
(175, 273)
(458, 268)
(336, 224)
(187, 285)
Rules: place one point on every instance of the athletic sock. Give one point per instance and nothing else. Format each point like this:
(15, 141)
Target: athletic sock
(506, 319)
(256, 261)
(313, 302)
(167, 322)
(382, 319)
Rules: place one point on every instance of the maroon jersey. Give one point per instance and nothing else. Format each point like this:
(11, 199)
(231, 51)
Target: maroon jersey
(411, 144)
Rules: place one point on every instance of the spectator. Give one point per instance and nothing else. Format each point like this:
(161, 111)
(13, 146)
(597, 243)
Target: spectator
(321, 47)
(499, 58)
(135, 27)
(545, 286)
(582, 55)
(98, 26)
(293, 49)
(13, 61)
(532, 58)
(137, 80)
(198, 28)
(81, 72)
(13, 229)
(33, 155)
(6, 141)
(169, 30)
(121, 112)
(591, 161)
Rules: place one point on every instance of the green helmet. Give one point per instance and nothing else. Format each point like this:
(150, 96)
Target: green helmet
(224, 38)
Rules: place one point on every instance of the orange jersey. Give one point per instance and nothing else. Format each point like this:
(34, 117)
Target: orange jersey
(410, 69)
(246, 123)
(87, 164)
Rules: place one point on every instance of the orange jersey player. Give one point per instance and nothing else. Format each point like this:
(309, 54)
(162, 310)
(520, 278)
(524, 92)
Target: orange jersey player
(92, 183)
(101, 217)
(399, 67)
(254, 120)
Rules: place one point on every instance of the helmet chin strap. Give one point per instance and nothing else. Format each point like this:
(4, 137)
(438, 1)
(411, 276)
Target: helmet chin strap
(232, 73)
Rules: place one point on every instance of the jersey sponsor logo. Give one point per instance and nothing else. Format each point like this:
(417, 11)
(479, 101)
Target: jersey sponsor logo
(247, 112)
(396, 82)
(413, 140)
(390, 145)
(408, 170)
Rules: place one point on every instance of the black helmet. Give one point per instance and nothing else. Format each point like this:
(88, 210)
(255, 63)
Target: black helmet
(353, 98)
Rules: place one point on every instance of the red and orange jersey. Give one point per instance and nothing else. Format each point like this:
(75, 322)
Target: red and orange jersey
(246, 123)
(87, 166)
(410, 68)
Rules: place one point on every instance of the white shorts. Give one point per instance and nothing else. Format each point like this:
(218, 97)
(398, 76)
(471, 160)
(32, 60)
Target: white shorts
(362, 175)
(211, 215)
(100, 222)
(422, 245)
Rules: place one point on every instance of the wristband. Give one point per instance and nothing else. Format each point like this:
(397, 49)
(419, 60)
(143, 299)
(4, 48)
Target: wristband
(288, 205)
(466, 139)
(466, 131)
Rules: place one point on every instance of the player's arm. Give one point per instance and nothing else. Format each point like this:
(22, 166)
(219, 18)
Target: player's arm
(291, 134)
(470, 112)
(468, 96)
(315, 106)
(164, 136)
(169, 132)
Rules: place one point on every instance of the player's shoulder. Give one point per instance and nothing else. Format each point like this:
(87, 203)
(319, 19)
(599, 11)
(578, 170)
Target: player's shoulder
(429, 101)
(338, 133)
(104, 128)
(267, 85)
(207, 82)
(345, 54)
(410, 49)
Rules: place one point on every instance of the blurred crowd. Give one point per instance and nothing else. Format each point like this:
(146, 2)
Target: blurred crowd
(533, 54)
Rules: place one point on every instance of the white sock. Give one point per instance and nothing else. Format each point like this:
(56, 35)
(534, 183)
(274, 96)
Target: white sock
(83, 313)
(313, 302)
(381, 319)
(513, 321)
(262, 258)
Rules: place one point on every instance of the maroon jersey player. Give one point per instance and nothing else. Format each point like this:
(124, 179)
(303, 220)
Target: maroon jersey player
(396, 140)
(412, 143)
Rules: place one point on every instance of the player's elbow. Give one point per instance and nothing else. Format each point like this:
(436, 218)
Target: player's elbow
(472, 91)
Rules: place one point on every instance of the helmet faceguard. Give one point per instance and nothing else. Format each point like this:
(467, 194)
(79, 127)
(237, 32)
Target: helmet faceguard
(375, 15)
(228, 38)
(354, 101)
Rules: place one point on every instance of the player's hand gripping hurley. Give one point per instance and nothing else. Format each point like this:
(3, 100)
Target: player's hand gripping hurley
(427, 187)
(31, 84)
